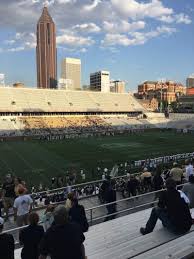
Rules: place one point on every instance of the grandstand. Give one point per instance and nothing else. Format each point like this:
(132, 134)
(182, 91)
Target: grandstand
(36, 112)
(23, 100)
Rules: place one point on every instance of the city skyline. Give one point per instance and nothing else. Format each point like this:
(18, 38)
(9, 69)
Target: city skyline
(132, 39)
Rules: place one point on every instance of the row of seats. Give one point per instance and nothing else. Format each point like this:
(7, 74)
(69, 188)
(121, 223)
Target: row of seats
(121, 239)
(44, 100)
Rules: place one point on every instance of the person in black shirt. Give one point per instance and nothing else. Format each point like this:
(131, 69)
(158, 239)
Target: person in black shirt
(7, 245)
(63, 240)
(110, 196)
(8, 194)
(77, 215)
(30, 238)
(172, 210)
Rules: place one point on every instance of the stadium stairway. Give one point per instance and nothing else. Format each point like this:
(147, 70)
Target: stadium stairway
(121, 239)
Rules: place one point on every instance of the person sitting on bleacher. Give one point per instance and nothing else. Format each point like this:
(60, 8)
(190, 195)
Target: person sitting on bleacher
(172, 210)
(7, 245)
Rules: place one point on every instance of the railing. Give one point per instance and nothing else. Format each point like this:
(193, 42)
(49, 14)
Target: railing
(98, 219)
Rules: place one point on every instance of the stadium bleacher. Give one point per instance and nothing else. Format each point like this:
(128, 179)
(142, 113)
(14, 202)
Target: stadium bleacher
(28, 100)
(121, 239)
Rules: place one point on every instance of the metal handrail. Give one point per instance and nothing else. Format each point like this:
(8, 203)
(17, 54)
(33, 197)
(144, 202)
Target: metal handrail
(106, 204)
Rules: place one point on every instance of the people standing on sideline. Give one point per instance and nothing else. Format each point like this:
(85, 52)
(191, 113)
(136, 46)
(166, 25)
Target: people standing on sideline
(30, 238)
(7, 245)
(22, 207)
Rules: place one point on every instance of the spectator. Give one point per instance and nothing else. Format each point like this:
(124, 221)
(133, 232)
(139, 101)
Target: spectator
(176, 173)
(77, 215)
(8, 194)
(6, 243)
(68, 202)
(132, 185)
(22, 207)
(158, 181)
(188, 189)
(146, 178)
(30, 238)
(48, 217)
(18, 184)
(64, 239)
(172, 210)
(188, 169)
(110, 196)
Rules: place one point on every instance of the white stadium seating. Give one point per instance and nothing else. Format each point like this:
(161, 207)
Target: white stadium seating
(43, 100)
(121, 239)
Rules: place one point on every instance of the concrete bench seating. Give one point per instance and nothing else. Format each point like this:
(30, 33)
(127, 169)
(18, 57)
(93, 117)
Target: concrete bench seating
(121, 239)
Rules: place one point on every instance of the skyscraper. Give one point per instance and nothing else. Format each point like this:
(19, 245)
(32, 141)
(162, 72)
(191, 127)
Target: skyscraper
(46, 53)
(71, 72)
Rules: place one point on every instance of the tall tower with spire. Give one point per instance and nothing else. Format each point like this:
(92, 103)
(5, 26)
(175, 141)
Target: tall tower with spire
(46, 52)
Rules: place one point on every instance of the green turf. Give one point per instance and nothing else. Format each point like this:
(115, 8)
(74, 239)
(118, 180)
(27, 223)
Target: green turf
(38, 161)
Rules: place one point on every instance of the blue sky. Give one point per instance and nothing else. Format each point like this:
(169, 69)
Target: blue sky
(135, 40)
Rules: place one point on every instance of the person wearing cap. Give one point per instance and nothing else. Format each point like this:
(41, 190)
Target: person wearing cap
(172, 210)
(176, 173)
(8, 195)
(63, 239)
(7, 245)
(22, 207)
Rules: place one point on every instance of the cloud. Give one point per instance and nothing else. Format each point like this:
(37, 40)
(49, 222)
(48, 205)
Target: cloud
(92, 6)
(83, 23)
(135, 38)
(177, 18)
(182, 18)
(123, 26)
(16, 49)
(87, 28)
(136, 10)
(71, 39)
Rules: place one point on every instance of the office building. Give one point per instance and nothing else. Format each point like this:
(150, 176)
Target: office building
(46, 53)
(71, 73)
(190, 81)
(117, 86)
(100, 81)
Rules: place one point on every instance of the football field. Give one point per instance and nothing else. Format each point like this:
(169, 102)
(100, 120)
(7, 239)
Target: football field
(38, 161)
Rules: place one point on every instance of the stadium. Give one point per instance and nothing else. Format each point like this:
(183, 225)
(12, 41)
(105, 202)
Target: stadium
(49, 134)
(45, 133)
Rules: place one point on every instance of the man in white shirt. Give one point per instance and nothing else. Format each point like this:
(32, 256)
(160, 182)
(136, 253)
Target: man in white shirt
(22, 207)
(188, 169)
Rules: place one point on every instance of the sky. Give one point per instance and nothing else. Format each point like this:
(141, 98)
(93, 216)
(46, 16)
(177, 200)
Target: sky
(135, 40)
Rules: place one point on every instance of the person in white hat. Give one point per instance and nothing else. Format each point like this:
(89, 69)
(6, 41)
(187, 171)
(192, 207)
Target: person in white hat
(6, 243)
